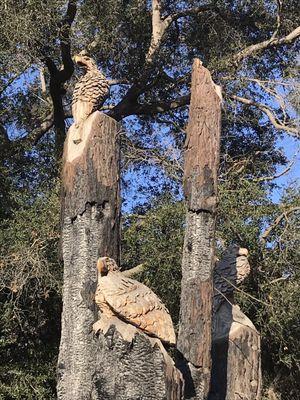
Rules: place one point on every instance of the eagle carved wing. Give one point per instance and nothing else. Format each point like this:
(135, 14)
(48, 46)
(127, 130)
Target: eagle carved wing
(135, 303)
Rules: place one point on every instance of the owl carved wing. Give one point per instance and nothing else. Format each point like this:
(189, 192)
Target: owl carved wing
(89, 93)
(137, 304)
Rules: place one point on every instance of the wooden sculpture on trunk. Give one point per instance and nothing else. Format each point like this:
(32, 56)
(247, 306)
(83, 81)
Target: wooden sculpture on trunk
(89, 93)
(132, 302)
(228, 273)
(236, 371)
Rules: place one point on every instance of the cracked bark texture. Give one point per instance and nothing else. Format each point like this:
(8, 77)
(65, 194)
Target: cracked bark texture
(200, 186)
(105, 366)
(135, 368)
(90, 228)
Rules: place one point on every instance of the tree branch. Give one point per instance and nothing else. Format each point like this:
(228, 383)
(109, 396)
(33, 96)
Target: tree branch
(292, 130)
(59, 77)
(272, 42)
(65, 42)
(277, 221)
(278, 18)
(161, 106)
(159, 28)
(271, 178)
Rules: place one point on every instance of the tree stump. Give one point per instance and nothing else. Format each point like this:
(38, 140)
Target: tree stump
(202, 150)
(133, 366)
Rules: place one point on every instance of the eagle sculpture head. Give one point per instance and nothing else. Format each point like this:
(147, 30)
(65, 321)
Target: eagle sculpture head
(106, 265)
(85, 62)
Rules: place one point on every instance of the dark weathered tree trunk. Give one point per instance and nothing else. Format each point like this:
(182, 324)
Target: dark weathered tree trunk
(133, 366)
(200, 186)
(120, 362)
(90, 228)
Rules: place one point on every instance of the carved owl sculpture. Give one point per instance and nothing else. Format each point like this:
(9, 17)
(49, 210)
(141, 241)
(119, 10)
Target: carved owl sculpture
(132, 302)
(231, 270)
(90, 91)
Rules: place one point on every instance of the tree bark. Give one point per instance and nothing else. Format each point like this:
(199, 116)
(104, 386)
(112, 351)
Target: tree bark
(90, 228)
(200, 187)
(133, 366)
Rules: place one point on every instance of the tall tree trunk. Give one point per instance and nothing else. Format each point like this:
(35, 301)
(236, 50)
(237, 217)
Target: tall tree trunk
(90, 228)
(200, 186)
(120, 362)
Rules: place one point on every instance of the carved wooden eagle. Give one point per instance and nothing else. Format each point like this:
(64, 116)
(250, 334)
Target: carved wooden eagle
(90, 91)
(233, 268)
(132, 302)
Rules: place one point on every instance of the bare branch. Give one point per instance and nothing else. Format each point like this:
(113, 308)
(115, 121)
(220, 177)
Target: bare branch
(271, 178)
(160, 25)
(134, 271)
(169, 160)
(42, 79)
(159, 28)
(31, 139)
(277, 221)
(292, 130)
(278, 18)
(162, 106)
(113, 82)
(272, 42)
(65, 42)
(190, 12)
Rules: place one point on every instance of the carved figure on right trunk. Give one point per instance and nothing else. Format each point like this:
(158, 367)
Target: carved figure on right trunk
(228, 273)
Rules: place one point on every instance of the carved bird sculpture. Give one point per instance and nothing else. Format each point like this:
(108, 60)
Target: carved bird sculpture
(233, 268)
(132, 302)
(89, 93)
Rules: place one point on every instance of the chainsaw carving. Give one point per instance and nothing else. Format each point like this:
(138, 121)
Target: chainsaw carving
(229, 272)
(236, 371)
(89, 93)
(131, 301)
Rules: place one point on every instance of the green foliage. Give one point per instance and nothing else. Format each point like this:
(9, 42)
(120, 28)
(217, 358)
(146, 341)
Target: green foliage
(155, 239)
(30, 299)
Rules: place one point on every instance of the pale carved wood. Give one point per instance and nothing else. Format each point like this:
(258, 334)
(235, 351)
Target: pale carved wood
(89, 93)
(133, 302)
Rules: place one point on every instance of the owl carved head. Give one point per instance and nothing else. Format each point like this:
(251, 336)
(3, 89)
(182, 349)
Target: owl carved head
(85, 62)
(106, 265)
